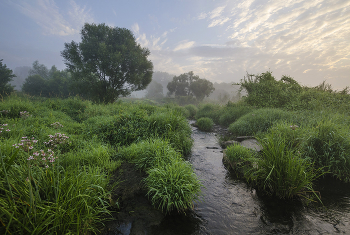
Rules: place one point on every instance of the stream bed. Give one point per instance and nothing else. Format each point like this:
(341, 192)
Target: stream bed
(229, 206)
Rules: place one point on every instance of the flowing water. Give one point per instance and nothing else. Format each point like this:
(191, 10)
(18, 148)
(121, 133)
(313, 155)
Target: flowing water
(229, 206)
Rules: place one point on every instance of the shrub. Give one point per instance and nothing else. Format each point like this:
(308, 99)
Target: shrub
(173, 186)
(192, 109)
(205, 124)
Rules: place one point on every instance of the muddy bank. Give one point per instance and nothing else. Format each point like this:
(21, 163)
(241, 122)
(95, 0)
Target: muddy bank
(135, 215)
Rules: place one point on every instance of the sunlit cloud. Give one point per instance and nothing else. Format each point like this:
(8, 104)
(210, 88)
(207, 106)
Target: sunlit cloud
(53, 21)
(184, 45)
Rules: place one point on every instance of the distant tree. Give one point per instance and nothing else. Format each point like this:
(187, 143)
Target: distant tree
(36, 85)
(55, 83)
(154, 90)
(107, 63)
(201, 88)
(6, 76)
(39, 69)
(190, 85)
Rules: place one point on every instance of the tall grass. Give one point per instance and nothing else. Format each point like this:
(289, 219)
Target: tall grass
(173, 186)
(205, 124)
(52, 200)
(259, 120)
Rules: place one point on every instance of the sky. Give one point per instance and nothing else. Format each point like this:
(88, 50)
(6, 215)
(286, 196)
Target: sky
(219, 40)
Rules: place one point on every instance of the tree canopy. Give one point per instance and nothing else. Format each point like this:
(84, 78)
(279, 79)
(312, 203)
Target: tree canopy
(107, 63)
(48, 82)
(6, 76)
(190, 85)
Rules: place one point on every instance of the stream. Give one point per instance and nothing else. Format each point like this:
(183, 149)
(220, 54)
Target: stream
(229, 206)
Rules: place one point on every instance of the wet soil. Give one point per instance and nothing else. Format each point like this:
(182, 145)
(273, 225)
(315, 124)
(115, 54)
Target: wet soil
(135, 214)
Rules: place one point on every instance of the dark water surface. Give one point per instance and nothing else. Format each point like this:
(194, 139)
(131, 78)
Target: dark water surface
(229, 206)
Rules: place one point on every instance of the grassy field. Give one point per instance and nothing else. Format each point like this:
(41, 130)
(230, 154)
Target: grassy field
(57, 157)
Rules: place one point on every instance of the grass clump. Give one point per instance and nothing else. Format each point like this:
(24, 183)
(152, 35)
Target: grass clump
(212, 111)
(150, 153)
(283, 171)
(173, 186)
(192, 110)
(232, 112)
(205, 124)
(258, 121)
(328, 145)
(240, 158)
(171, 182)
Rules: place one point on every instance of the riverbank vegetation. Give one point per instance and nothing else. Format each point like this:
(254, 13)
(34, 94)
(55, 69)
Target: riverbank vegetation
(57, 156)
(303, 131)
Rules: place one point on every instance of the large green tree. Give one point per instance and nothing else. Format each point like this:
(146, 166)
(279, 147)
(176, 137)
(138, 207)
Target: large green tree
(190, 85)
(6, 76)
(107, 63)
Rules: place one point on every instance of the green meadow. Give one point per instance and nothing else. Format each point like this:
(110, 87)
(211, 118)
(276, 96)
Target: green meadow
(58, 155)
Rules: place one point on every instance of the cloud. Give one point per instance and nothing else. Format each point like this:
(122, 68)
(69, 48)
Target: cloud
(135, 28)
(219, 21)
(216, 12)
(184, 45)
(47, 15)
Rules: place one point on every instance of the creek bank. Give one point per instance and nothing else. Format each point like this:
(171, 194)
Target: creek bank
(135, 215)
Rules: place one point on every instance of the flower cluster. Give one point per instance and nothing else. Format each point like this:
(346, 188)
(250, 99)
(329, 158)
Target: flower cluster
(24, 114)
(57, 139)
(5, 111)
(26, 144)
(56, 125)
(1, 128)
(42, 158)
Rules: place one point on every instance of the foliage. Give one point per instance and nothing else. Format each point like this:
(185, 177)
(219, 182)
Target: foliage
(205, 124)
(201, 88)
(107, 63)
(173, 186)
(47, 83)
(6, 76)
(188, 84)
(265, 91)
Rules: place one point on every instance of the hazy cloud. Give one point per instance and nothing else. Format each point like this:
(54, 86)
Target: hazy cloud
(46, 14)
(184, 45)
